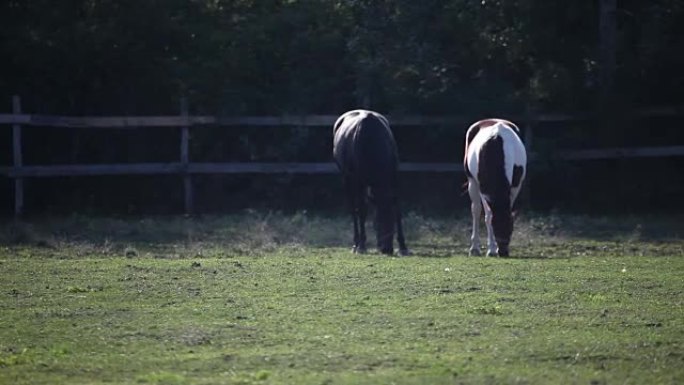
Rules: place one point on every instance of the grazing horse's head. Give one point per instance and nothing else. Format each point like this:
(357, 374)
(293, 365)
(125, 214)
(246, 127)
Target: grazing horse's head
(502, 224)
(503, 216)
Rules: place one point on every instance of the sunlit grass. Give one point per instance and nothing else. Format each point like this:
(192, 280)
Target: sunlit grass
(259, 297)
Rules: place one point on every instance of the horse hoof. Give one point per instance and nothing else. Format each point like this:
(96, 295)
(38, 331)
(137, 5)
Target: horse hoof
(492, 254)
(404, 252)
(474, 252)
(359, 250)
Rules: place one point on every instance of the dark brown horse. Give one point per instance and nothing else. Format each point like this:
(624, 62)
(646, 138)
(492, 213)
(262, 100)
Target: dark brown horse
(366, 154)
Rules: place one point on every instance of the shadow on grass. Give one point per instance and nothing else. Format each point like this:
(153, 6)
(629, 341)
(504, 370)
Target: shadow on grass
(252, 232)
(434, 250)
(534, 257)
(607, 228)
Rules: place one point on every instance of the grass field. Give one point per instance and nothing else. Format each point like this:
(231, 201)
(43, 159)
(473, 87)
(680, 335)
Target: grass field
(270, 298)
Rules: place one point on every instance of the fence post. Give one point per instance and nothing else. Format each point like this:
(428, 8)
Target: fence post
(185, 159)
(528, 138)
(17, 159)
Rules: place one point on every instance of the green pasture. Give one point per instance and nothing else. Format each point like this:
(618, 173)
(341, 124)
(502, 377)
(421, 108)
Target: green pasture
(273, 298)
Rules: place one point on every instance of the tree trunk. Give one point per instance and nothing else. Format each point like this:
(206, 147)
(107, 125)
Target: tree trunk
(607, 50)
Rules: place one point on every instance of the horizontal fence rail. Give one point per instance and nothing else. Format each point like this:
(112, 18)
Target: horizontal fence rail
(614, 153)
(202, 168)
(185, 168)
(179, 121)
(174, 121)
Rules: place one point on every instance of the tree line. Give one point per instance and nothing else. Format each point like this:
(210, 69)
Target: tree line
(320, 56)
(272, 57)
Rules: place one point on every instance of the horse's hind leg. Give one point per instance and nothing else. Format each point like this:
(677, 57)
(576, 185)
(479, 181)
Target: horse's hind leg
(476, 211)
(403, 250)
(355, 217)
(362, 208)
(491, 241)
(354, 197)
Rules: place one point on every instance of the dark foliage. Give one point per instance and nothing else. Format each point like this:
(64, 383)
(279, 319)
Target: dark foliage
(248, 57)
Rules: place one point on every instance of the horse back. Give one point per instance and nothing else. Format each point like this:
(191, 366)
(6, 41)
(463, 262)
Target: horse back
(482, 125)
(364, 144)
(495, 155)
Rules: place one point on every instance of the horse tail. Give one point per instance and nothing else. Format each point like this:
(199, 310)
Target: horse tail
(377, 153)
(492, 172)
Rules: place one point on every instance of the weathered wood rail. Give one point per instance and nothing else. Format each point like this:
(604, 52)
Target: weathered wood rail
(185, 168)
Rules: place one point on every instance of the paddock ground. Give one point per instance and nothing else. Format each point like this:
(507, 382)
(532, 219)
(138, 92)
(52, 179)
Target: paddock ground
(267, 297)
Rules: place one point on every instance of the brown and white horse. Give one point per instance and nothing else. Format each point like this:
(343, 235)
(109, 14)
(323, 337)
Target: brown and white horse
(495, 163)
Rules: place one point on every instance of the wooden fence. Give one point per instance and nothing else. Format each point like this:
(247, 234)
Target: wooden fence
(185, 168)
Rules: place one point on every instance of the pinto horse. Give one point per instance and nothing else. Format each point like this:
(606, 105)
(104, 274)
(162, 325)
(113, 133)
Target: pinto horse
(494, 162)
(366, 155)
